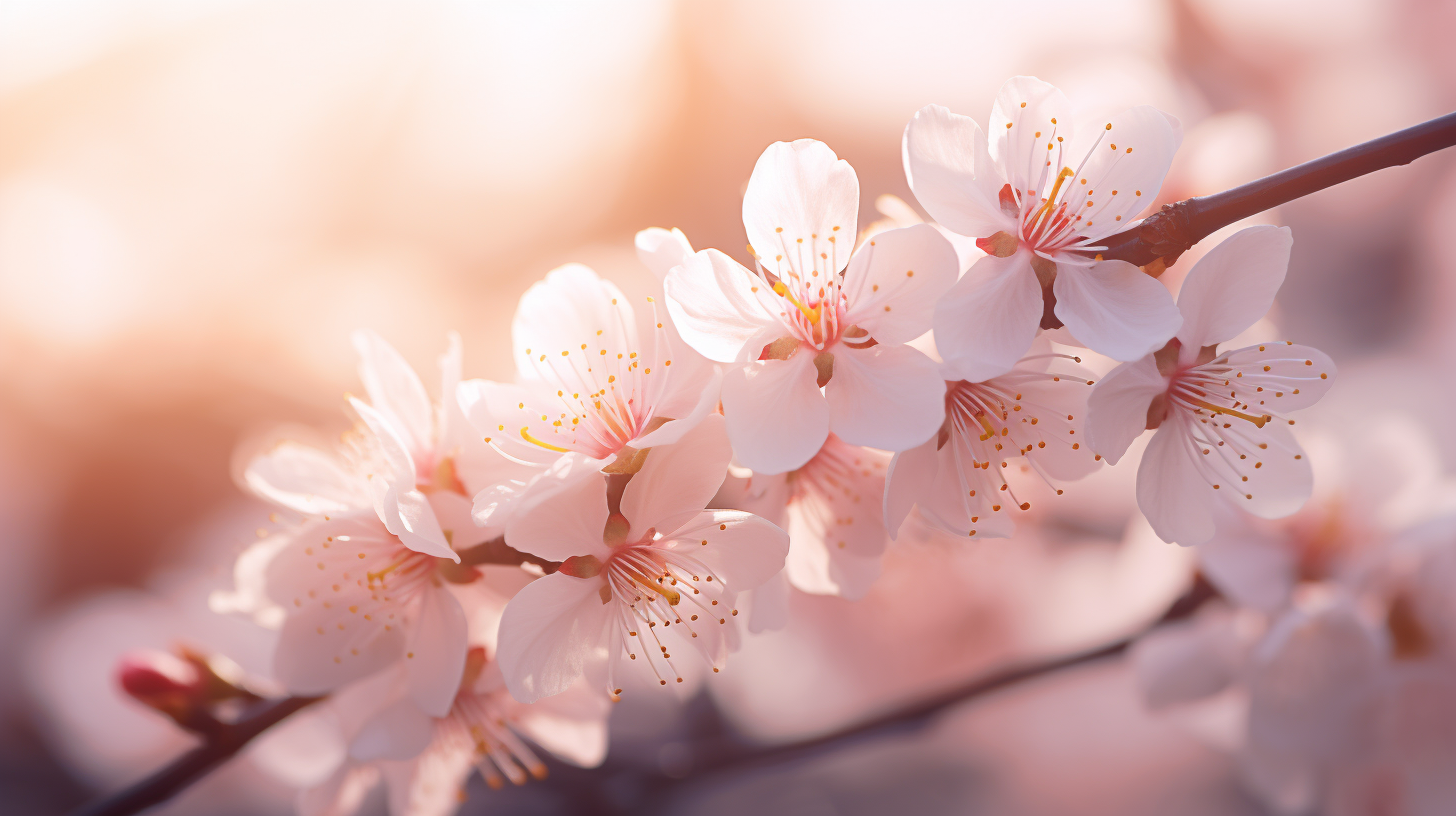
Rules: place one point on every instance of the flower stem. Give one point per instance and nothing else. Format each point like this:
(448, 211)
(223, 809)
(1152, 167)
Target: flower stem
(1168, 233)
(219, 746)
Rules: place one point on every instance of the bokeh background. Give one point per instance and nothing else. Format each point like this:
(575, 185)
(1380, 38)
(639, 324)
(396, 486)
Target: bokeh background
(200, 199)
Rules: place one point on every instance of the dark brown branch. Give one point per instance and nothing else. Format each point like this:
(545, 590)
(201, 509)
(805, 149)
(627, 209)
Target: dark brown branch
(221, 744)
(1178, 226)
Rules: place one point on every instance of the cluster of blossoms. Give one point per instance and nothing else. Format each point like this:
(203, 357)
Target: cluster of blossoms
(475, 576)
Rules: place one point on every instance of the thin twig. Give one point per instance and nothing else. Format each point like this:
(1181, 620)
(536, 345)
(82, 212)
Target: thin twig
(219, 747)
(1168, 233)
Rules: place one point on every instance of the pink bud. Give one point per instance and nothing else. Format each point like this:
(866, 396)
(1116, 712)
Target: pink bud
(158, 679)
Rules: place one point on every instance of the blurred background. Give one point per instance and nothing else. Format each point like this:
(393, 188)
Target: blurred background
(200, 199)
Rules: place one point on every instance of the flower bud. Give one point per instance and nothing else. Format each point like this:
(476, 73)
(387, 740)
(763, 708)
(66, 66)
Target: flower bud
(162, 681)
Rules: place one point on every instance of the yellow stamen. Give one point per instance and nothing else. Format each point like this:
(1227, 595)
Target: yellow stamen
(1051, 201)
(1258, 421)
(990, 432)
(783, 291)
(672, 596)
(526, 435)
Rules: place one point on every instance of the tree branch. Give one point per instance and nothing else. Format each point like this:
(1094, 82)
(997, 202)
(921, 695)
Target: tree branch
(1178, 226)
(221, 744)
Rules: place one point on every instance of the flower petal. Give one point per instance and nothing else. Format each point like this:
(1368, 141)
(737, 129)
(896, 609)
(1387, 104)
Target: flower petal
(1186, 660)
(401, 731)
(911, 476)
(769, 611)
(1292, 376)
(708, 394)
(887, 397)
(894, 281)
(564, 513)
(435, 652)
(1171, 492)
(572, 725)
(717, 305)
(988, 319)
(678, 480)
(548, 632)
(1117, 409)
(1264, 470)
(1027, 115)
(742, 549)
(660, 250)
(396, 391)
(775, 414)
(801, 201)
(304, 479)
(418, 528)
(1232, 286)
(1115, 309)
(570, 307)
(949, 168)
(1123, 161)
(818, 569)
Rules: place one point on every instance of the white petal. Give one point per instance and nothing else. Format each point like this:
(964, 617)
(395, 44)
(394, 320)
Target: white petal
(838, 500)
(820, 570)
(1037, 113)
(572, 725)
(717, 305)
(911, 475)
(799, 197)
(769, 610)
(395, 391)
(399, 732)
(1124, 168)
(418, 528)
(708, 394)
(776, 416)
(894, 281)
(988, 319)
(1232, 286)
(950, 504)
(572, 306)
(1115, 309)
(1297, 376)
(435, 652)
(341, 794)
(548, 632)
(1117, 409)
(514, 419)
(742, 549)
(565, 512)
(1273, 481)
(1171, 492)
(454, 513)
(1185, 661)
(888, 397)
(1249, 568)
(305, 479)
(950, 170)
(660, 250)
(678, 480)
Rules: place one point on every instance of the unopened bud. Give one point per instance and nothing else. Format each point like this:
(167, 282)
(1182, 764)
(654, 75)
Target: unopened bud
(162, 681)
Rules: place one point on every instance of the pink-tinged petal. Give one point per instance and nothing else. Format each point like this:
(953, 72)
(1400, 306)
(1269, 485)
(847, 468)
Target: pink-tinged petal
(894, 281)
(548, 632)
(1271, 481)
(435, 652)
(1117, 408)
(1247, 566)
(1114, 308)
(949, 168)
(341, 794)
(951, 505)
(1123, 166)
(989, 318)
(1186, 661)
(838, 498)
(707, 403)
(717, 305)
(395, 391)
(304, 479)
(742, 549)
(399, 732)
(564, 513)
(475, 464)
(570, 307)
(454, 513)
(911, 476)
(820, 570)
(678, 480)
(511, 419)
(1050, 400)
(1037, 113)
(1292, 376)
(888, 397)
(1171, 490)
(418, 528)
(660, 250)
(1232, 286)
(776, 416)
(769, 608)
(396, 464)
(430, 784)
(571, 725)
(801, 201)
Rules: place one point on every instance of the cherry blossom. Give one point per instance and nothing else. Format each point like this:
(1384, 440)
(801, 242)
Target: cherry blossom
(957, 478)
(586, 384)
(1041, 194)
(1220, 416)
(659, 574)
(817, 334)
